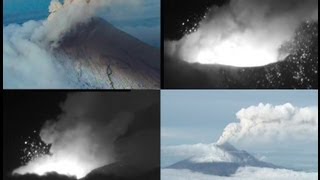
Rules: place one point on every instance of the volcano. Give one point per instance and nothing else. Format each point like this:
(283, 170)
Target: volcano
(223, 160)
(298, 70)
(108, 58)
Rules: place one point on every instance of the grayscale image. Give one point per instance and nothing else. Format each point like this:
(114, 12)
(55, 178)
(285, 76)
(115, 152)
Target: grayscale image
(240, 44)
(81, 135)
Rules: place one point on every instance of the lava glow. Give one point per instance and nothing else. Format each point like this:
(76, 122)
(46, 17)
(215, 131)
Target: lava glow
(38, 160)
(238, 49)
(248, 48)
(34, 148)
(75, 158)
(69, 165)
(235, 53)
(242, 33)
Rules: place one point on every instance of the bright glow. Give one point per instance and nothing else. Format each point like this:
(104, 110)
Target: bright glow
(240, 49)
(68, 165)
(242, 33)
(76, 153)
(235, 53)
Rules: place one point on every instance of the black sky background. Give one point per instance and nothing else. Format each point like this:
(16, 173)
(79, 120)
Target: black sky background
(24, 112)
(296, 71)
(27, 111)
(178, 11)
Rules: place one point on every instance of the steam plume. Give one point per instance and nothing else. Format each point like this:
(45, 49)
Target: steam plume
(266, 123)
(64, 17)
(84, 136)
(28, 58)
(244, 32)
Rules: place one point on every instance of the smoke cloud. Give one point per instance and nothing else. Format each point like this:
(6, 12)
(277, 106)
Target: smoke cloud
(269, 131)
(244, 32)
(29, 61)
(95, 129)
(265, 124)
(244, 173)
(66, 16)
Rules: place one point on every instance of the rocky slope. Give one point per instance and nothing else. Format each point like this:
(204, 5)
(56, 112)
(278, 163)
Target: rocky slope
(105, 57)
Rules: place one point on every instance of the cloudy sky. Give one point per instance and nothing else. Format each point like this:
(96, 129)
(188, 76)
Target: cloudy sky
(190, 117)
(142, 22)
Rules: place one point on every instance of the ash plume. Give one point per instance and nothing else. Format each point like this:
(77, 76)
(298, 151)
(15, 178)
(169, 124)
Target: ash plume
(266, 123)
(64, 17)
(95, 129)
(244, 33)
(34, 57)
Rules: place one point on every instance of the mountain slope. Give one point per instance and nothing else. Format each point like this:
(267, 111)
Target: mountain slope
(105, 57)
(224, 161)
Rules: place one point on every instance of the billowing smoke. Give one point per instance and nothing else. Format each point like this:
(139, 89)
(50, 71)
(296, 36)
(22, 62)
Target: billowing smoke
(95, 130)
(267, 124)
(29, 61)
(244, 32)
(66, 16)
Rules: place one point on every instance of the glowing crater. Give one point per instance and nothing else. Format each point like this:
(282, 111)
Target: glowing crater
(70, 166)
(238, 49)
(235, 54)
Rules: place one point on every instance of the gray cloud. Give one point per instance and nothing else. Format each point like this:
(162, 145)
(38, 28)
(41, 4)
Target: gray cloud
(267, 124)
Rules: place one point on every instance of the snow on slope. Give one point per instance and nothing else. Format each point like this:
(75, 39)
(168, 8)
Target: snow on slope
(106, 57)
(94, 55)
(222, 160)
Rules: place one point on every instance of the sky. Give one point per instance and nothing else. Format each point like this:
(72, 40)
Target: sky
(19, 126)
(180, 17)
(143, 22)
(209, 112)
(190, 117)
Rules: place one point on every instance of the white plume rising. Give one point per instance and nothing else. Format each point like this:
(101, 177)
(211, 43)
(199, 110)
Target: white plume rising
(65, 16)
(83, 136)
(267, 123)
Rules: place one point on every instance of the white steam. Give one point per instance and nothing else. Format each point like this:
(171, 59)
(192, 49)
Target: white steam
(244, 32)
(28, 58)
(243, 173)
(266, 123)
(78, 150)
(27, 63)
(83, 137)
(271, 131)
(65, 16)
